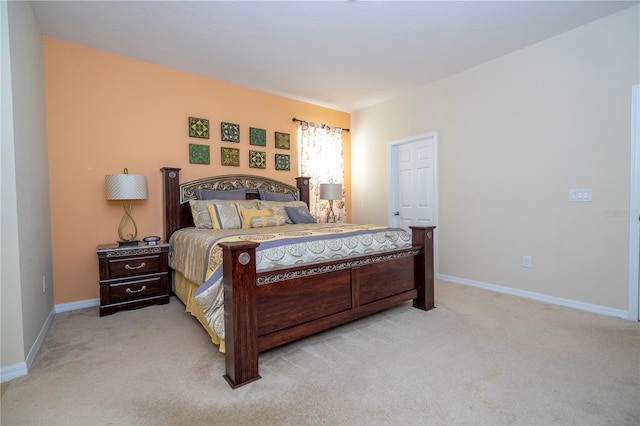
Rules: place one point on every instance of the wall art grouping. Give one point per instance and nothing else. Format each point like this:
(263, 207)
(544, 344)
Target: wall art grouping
(230, 132)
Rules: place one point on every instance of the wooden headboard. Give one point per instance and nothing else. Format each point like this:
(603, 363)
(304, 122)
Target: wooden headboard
(177, 211)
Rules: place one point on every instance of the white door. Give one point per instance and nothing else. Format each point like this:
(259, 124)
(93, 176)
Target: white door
(413, 181)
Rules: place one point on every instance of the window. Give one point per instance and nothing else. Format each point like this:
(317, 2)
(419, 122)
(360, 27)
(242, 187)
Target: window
(321, 160)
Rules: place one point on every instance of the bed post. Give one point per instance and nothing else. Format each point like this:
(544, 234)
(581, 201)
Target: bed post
(240, 312)
(423, 269)
(303, 186)
(171, 188)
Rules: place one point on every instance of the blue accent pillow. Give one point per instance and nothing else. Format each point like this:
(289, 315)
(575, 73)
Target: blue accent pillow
(274, 196)
(234, 194)
(300, 214)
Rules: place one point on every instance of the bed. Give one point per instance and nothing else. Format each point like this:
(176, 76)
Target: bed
(248, 282)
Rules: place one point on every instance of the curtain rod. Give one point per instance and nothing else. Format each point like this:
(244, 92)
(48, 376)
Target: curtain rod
(305, 121)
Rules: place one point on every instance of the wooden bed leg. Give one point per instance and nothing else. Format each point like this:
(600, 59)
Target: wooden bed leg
(424, 264)
(240, 313)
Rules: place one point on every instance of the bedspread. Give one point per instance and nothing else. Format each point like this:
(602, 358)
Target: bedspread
(197, 255)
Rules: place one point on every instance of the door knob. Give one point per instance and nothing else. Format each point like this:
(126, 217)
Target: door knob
(396, 214)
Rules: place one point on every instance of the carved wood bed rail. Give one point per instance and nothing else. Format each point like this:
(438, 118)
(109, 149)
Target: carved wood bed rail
(269, 308)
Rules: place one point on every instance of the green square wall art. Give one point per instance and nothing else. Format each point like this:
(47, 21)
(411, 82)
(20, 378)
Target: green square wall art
(199, 154)
(257, 136)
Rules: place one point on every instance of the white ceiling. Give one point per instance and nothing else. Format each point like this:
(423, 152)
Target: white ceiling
(346, 55)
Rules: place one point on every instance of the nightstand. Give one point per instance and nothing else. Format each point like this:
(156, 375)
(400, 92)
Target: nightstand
(133, 277)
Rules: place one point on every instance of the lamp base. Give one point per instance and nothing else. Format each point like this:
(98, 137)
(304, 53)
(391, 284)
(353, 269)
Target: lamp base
(132, 243)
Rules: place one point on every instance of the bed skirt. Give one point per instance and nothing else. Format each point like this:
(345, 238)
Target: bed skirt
(184, 289)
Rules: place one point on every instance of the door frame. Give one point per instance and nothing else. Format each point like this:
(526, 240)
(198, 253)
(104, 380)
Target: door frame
(634, 208)
(392, 155)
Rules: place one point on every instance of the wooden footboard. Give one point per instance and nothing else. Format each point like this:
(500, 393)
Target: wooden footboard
(270, 308)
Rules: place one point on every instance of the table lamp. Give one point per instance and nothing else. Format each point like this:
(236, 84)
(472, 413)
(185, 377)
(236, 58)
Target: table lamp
(126, 187)
(331, 191)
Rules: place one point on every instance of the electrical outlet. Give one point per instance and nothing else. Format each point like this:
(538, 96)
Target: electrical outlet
(44, 284)
(580, 195)
(526, 261)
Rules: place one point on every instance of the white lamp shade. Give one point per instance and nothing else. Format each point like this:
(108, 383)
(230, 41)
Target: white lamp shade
(331, 191)
(126, 187)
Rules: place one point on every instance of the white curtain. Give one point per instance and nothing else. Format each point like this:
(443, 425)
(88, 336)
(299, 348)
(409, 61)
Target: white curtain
(321, 160)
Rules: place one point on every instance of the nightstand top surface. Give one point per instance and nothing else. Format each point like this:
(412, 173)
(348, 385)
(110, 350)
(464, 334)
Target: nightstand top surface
(141, 245)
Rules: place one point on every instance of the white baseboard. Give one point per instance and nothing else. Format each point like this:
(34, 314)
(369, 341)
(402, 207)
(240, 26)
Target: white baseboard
(22, 368)
(72, 306)
(598, 309)
(13, 371)
(35, 349)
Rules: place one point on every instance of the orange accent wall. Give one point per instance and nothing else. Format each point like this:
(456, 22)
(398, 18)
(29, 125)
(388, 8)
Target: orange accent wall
(106, 112)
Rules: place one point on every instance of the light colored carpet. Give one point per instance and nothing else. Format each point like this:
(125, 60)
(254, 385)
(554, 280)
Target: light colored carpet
(479, 358)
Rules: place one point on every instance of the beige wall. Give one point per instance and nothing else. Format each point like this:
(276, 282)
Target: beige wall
(107, 112)
(11, 314)
(26, 231)
(515, 134)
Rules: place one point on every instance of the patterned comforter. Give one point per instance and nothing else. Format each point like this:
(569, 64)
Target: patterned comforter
(196, 253)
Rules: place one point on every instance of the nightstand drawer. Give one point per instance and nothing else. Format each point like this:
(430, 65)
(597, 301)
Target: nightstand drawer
(139, 265)
(135, 289)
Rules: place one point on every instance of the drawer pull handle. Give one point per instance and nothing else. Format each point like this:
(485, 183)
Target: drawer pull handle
(127, 266)
(144, 287)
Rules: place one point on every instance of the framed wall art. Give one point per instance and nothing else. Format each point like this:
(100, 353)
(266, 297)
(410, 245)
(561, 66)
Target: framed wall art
(230, 132)
(257, 136)
(198, 128)
(258, 159)
(230, 156)
(283, 162)
(199, 154)
(283, 140)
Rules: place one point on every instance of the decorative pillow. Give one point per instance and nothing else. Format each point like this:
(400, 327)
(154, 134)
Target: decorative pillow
(274, 196)
(278, 207)
(300, 214)
(224, 216)
(233, 194)
(200, 212)
(261, 218)
(247, 204)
